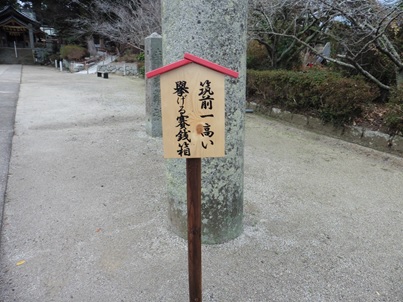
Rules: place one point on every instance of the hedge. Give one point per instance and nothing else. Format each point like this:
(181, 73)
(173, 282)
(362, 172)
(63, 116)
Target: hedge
(72, 52)
(320, 93)
(394, 114)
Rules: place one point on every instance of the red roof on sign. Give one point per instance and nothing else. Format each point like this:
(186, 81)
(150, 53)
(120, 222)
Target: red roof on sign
(189, 58)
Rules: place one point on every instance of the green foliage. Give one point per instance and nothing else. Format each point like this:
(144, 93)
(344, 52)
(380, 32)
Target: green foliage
(277, 27)
(320, 93)
(54, 56)
(394, 114)
(4, 3)
(128, 56)
(140, 57)
(72, 52)
(141, 69)
(376, 63)
(257, 56)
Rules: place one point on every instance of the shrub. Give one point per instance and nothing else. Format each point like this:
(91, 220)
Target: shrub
(129, 56)
(256, 56)
(141, 69)
(321, 93)
(53, 57)
(72, 52)
(141, 57)
(394, 114)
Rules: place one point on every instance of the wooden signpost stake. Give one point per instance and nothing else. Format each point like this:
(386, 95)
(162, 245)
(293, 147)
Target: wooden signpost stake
(193, 177)
(193, 127)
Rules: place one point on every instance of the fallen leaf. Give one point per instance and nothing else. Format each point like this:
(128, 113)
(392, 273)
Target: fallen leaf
(20, 262)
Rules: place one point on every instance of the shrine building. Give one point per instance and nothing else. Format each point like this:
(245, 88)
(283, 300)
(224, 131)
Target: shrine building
(18, 29)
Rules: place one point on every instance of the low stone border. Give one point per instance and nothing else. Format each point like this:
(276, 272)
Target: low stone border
(129, 69)
(354, 134)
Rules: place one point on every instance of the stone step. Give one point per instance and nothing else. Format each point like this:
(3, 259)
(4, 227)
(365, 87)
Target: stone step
(24, 56)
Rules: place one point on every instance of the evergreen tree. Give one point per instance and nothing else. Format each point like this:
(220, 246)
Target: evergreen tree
(4, 3)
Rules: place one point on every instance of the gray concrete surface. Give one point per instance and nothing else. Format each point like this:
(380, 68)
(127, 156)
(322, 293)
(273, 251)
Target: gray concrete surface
(10, 76)
(85, 215)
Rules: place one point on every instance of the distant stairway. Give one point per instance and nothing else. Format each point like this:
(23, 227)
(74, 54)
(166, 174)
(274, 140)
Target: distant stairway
(24, 56)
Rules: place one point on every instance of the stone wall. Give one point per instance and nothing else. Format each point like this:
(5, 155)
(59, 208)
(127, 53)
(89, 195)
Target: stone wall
(24, 56)
(355, 134)
(129, 69)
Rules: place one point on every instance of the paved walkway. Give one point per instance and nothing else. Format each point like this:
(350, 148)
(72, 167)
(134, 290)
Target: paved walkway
(85, 212)
(9, 88)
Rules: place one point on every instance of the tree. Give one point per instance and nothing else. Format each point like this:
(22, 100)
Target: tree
(4, 3)
(35, 5)
(283, 17)
(122, 21)
(357, 30)
(53, 13)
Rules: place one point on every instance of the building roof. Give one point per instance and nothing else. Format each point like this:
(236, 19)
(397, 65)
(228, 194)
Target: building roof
(9, 13)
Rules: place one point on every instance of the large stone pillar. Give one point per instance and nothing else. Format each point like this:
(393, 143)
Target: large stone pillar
(215, 31)
(153, 60)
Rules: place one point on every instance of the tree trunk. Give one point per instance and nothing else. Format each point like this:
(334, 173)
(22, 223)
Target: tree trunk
(399, 78)
(91, 46)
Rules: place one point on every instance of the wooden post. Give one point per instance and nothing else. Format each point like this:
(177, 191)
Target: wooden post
(189, 92)
(193, 179)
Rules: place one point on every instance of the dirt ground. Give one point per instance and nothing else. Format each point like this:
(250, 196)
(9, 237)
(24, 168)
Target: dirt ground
(85, 211)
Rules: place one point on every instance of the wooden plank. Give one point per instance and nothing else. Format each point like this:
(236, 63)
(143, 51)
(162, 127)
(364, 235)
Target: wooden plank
(193, 119)
(193, 177)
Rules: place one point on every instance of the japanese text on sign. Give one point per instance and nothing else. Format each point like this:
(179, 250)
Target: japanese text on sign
(193, 113)
(204, 129)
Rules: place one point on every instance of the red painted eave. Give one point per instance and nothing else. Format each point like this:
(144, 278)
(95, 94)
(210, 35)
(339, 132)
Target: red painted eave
(189, 58)
(211, 65)
(167, 68)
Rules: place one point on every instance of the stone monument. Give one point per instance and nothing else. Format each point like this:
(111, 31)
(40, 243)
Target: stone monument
(153, 60)
(215, 31)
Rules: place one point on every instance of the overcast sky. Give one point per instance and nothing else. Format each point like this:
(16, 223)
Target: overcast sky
(388, 1)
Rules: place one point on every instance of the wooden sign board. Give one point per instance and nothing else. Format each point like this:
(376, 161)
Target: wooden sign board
(193, 126)
(193, 112)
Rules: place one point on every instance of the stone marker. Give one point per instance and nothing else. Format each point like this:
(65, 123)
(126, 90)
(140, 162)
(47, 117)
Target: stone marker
(153, 60)
(215, 32)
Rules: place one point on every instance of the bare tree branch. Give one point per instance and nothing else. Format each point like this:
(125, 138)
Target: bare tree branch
(359, 27)
(126, 22)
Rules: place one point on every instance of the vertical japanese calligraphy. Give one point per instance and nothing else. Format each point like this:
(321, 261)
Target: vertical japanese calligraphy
(183, 134)
(206, 104)
(205, 94)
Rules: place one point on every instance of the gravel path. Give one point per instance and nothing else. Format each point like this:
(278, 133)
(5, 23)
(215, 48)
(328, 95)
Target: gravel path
(85, 214)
